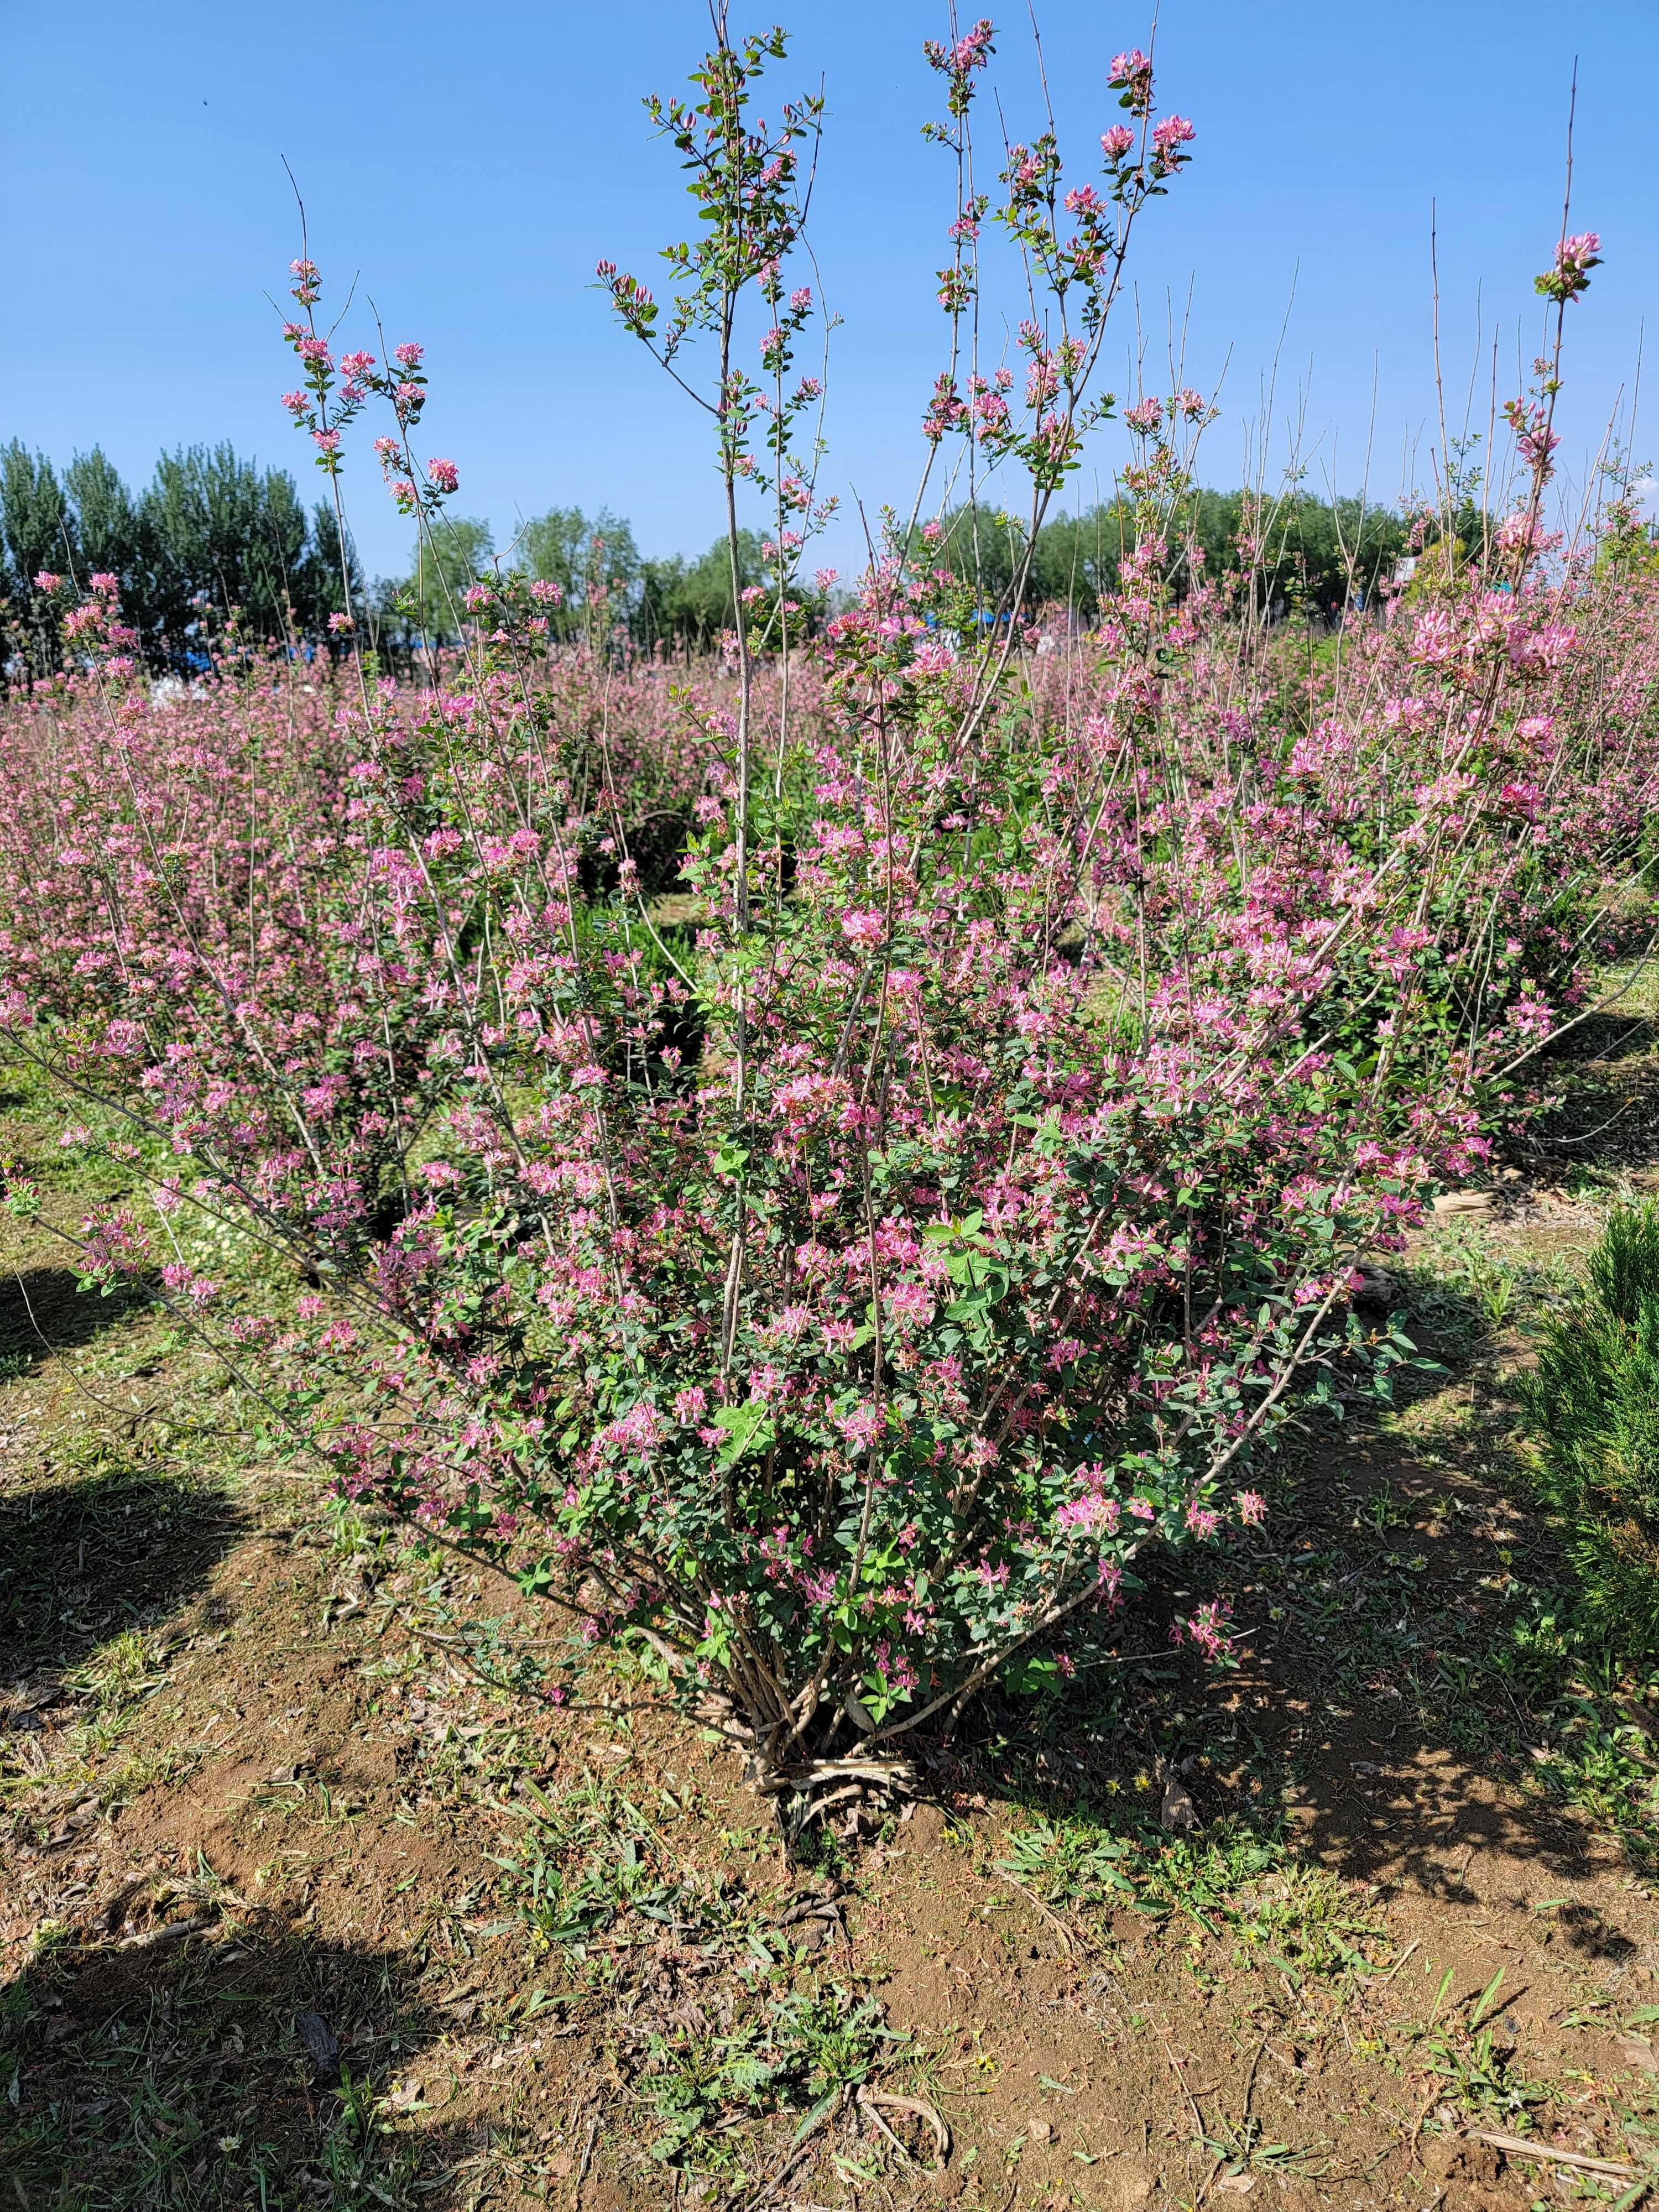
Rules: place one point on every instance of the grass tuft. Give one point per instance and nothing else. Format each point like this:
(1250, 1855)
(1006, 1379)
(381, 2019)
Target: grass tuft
(1591, 1407)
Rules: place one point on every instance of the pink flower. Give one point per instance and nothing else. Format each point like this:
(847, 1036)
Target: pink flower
(972, 50)
(1516, 530)
(911, 1304)
(864, 927)
(444, 474)
(1089, 1514)
(1569, 277)
(1115, 142)
(1207, 1629)
(46, 581)
(863, 1425)
(408, 355)
(1435, 639)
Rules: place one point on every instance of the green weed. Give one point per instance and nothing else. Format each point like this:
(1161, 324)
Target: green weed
(1465, 1290)
(589, 1858)
(1475, 2063)
(1232, 1881)
(1301, 1920)
(1245, 2149)
(119, 1672)
(806, 2052)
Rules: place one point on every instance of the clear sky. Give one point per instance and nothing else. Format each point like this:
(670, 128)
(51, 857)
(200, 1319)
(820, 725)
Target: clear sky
(467, 165)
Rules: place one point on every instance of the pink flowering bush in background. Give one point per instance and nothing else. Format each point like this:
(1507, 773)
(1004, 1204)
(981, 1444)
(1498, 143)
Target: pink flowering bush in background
(826, 1169)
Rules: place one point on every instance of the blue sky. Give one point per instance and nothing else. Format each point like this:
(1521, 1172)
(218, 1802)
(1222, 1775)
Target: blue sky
(467, 166)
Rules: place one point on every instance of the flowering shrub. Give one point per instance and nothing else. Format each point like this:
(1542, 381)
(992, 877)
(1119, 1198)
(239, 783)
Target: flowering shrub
(846, 1285)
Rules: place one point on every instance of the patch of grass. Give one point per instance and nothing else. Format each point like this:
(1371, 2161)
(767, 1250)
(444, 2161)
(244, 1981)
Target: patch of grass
(144, 1771)
(1233, 1882)
(807, 2051)
(1475, 2061)
(181, 2082)
(1071, 1862)
(119, 1672)
(1600, 1752)
(1465, 1289)
(1303, 1921)
(44, 1313)
(591, 1857)
(120, 1543)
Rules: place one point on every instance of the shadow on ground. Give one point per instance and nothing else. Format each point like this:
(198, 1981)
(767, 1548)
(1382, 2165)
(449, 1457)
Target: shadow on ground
(1405, 1672)
(85, 1555)
(1605, 1121)
(42, 1312)
(189, 2075)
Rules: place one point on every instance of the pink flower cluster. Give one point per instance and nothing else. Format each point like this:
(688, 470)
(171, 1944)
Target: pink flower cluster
(828, 1156)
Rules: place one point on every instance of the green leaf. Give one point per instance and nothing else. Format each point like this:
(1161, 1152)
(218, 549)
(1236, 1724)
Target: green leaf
(745, 1425)
(1486, 2003)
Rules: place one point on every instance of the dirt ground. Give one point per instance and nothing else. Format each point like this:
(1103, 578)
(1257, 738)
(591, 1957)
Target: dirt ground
(310, 1895)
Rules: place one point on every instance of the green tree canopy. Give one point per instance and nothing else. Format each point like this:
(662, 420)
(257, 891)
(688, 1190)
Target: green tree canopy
(211, 534)
(37, 532)
(689, 602)
(593, 561)
(1311, 553)
(428, 606)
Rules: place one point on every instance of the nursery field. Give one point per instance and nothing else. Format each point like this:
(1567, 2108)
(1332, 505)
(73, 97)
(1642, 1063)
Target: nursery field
(311, 1897)
(856, 1403)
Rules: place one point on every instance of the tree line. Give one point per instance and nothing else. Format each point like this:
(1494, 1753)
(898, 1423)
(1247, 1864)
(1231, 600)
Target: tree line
(210, 537)
(1302, 553)
(215, 538)
(608, 589)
